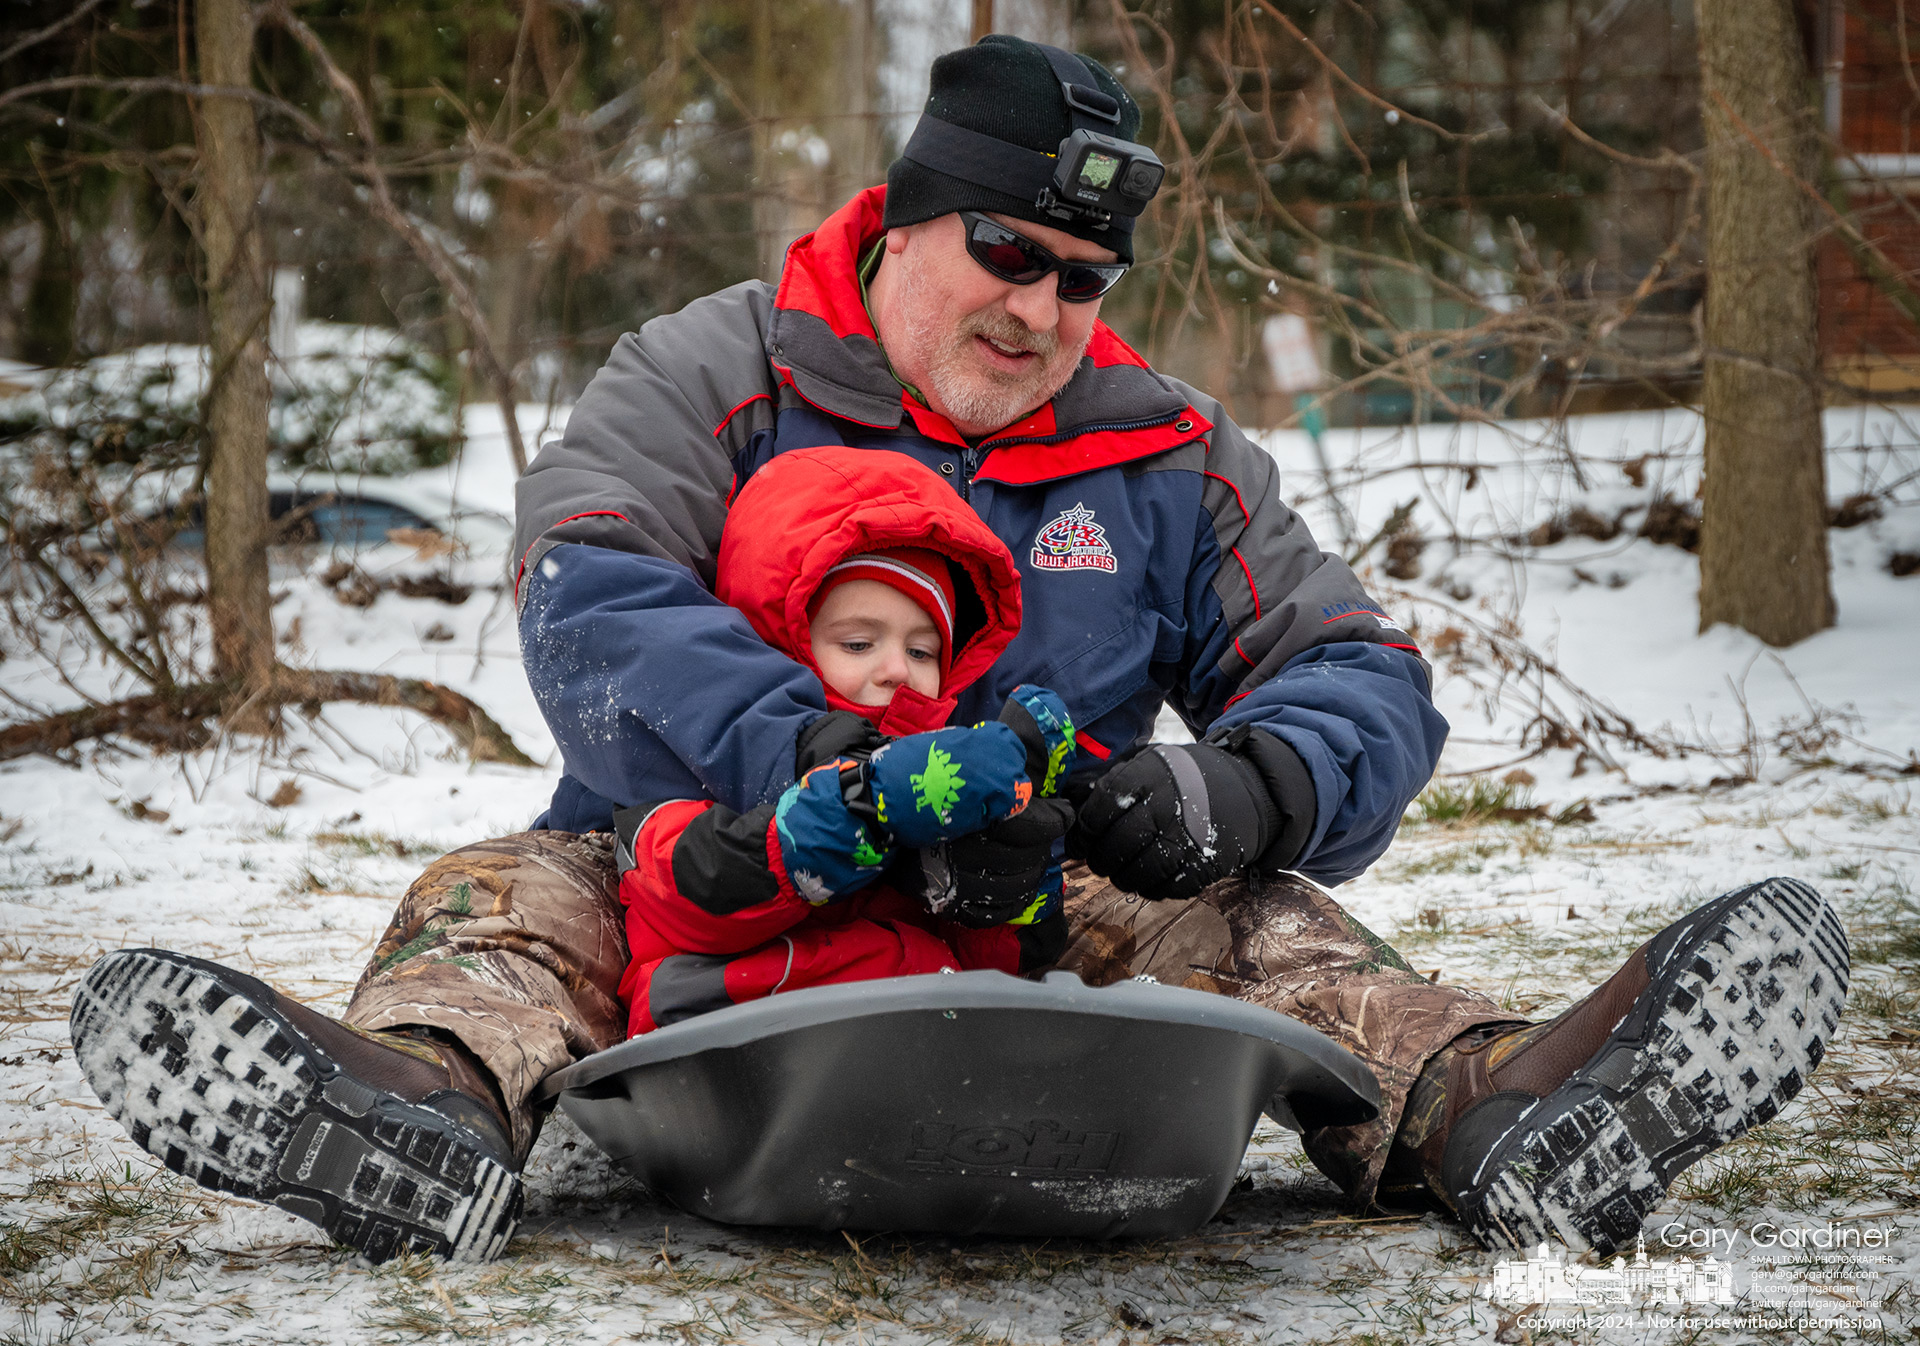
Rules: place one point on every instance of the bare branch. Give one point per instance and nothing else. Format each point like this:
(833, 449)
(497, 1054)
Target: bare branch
(388, 210)
(80, 11)
(1332, 67)
(178, 718)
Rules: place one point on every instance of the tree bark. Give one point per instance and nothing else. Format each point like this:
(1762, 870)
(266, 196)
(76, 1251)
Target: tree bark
(237, 312)
(769, 211)
(854, 126)
(1763, 534)
(46, 335)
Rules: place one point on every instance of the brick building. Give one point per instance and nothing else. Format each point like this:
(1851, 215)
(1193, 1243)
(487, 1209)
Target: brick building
(1870, 91)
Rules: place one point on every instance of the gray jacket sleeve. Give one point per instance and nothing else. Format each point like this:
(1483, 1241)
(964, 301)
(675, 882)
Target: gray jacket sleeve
(1286, 641)
(644, 465)
(1279, 593)
(652, 687)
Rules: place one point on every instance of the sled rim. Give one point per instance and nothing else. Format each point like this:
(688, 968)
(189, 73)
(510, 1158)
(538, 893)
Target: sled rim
(1060, 993)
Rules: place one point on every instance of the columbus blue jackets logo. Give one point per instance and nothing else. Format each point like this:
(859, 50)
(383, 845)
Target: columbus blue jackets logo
(1073, 541)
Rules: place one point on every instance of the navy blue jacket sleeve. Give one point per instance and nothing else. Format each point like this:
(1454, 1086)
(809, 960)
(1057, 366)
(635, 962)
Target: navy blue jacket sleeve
(620, 651)
(1359, 717)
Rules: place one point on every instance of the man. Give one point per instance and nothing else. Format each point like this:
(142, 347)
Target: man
(953, 316)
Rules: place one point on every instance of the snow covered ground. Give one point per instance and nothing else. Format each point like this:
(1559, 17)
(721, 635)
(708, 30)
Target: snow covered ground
(1679, 765)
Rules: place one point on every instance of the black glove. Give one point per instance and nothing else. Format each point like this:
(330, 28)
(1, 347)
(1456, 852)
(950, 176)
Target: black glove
(1005, 873)
(1042, 943)
(838, 733)
(1175, 818)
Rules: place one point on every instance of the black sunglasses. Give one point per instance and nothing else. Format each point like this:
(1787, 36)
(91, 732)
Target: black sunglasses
(1015, 258)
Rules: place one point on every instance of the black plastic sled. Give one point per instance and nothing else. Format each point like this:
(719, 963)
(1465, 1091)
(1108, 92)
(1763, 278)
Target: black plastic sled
(964, 1103)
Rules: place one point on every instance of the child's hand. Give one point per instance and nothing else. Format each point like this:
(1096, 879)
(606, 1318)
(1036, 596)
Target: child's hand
(949, 782)
(828, 850)
(1041, 720)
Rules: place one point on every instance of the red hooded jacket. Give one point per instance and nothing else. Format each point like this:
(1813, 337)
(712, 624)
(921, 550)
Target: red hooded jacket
(712, 918)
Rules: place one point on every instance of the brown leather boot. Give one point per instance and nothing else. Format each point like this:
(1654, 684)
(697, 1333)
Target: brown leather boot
(390, 1142)
(1573, 1129)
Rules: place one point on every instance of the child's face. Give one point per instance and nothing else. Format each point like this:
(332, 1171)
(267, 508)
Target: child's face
(869, 639)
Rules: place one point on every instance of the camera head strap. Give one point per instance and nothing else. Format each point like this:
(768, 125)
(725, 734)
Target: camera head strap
(1094, 180)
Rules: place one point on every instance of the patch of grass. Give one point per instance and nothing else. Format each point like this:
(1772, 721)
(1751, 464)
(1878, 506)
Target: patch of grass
(933, 1288)
(1533, 841)
(1563, 960)
(1894, 942)
(1887, 999)
(1634, 845)
(1471, 800)
(306, 879)
(127, 1227)
(1467, 858)
(1881, 808)
(373, 843)
(423, 1296)
(29, 1332)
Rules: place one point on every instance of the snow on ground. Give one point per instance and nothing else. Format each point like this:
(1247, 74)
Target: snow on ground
(1735, 763)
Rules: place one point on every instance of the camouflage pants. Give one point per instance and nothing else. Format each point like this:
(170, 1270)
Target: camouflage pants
(1285, 944)
(516, 947)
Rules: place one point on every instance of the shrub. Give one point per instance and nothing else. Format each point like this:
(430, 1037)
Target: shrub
(354, 399)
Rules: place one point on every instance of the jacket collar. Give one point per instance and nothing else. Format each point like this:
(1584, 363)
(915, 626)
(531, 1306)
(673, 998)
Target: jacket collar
(821, 341)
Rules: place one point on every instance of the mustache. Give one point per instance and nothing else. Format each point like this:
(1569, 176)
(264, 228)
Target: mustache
(1010, 331)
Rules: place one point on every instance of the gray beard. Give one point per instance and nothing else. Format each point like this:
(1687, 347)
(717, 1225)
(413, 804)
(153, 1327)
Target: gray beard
(979, 397)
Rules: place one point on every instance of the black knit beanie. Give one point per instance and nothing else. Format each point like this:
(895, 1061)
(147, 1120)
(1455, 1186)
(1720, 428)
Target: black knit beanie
(1004, 87)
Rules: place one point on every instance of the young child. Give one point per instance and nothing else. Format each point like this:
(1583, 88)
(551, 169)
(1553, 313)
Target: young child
(868, 569)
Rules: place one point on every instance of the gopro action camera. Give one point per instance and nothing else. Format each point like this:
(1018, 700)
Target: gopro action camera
(1101, 174)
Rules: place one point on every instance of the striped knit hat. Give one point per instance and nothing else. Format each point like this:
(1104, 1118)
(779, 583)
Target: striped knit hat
(921, 575)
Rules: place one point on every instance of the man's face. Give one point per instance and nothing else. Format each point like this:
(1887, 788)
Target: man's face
(984, 351)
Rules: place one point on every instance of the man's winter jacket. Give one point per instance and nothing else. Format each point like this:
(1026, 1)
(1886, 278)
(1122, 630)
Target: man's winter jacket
(714, 914)
(1157, 560)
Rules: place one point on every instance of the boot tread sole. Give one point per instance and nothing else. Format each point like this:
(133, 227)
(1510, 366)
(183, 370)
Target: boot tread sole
(208, 1078)
(1736, 1017)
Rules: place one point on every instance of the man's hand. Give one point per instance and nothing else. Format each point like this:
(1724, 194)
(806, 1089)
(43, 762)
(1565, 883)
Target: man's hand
(1174, 819)
(838, 733)
(1004, 874)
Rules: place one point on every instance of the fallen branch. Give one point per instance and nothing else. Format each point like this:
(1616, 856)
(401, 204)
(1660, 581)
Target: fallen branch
(178, 719)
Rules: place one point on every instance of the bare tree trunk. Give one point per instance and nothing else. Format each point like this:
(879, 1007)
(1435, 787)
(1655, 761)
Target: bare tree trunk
(237, 309)
(1763, 540)
(769, 212)
(855, 132)
(982, 21)
(47, 324)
